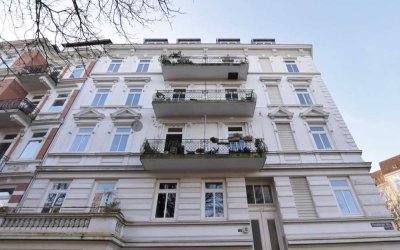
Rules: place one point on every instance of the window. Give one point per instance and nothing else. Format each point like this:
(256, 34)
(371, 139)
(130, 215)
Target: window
(7, 62)
(133, 97)
(55, 198)
(344, 197)
(103, 197)
(100, 97)
(5, 195)
(143, 66)
(286, 137)
(320, 137)
(291, 66)
(59, 102)
(214, 200)
(114, 66)
(5, 143)
(81, 140)
(231, 94)
(304, 96)
(36, 99)
(120, 139)
(259, 194)
(77, 72)
(32, 147)
(166, 199)
(179, 95)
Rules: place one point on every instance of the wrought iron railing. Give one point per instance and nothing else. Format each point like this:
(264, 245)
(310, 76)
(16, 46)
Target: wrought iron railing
(3, 160)
(22, 104)
(211, 146)
(40, 69)
(203, 95)
(177, 58)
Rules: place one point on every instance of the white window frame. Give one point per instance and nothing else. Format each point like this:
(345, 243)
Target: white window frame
(60, 97)
(349, 188)
(8, 61)
(50, 190)
(101, 92)
(326, 133)
(139, 91)
(122, 134)
(114, 66)
(33, 139)
(98, 208)
(291, 62)
(77, 67)
(159, 191)
(203, 199)
(36, 99)
(300, 90)
(142, 62)
(255, 183)
(78, 133)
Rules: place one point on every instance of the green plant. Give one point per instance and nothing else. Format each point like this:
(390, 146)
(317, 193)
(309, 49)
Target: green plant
(248, 138)
(112, 207)
(214, 139)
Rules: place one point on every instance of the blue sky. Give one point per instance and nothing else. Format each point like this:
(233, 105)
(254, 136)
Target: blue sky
(355, 48)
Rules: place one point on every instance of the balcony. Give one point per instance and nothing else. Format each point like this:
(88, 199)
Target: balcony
(185, 103)
(16, 113)
(178, 67)
(36, 78)
(68, 225)
(203, 155)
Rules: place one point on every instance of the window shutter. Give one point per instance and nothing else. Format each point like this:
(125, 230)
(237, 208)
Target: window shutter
(302, 198)
(274, 95)
(286, 136)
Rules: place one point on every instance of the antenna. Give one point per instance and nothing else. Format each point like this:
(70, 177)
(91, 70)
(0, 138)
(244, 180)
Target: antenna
(137, 125)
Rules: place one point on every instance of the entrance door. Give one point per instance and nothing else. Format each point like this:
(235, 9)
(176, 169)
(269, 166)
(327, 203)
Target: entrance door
(266, 231)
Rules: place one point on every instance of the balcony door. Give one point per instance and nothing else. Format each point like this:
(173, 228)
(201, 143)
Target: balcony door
(173, 140)
(179, 95)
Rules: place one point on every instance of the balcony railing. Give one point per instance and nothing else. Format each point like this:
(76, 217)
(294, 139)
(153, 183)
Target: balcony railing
(40, 69)
(247, 95)
(22, 104)
(177, 58)
(215, 147)
(3, 160)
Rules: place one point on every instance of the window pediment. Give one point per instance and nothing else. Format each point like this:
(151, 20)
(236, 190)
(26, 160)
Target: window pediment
(314, 113)
(125, 116)
(88, 116)
(280, 113)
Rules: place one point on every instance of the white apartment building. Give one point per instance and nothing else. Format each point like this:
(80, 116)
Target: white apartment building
(202, 146)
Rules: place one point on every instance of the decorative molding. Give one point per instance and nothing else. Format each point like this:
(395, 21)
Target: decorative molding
(124, 116)
(88, 117)
(280, 113)
(314, 113)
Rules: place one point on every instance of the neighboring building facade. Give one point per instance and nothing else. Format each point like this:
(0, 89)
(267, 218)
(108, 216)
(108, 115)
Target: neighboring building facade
(35, 97)
(387, 179)
(202, 146)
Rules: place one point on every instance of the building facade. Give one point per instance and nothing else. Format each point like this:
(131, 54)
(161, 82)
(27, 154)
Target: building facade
(205, 146)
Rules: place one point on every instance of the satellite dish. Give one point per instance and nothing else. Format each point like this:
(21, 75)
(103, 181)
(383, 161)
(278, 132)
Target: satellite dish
(137, 125)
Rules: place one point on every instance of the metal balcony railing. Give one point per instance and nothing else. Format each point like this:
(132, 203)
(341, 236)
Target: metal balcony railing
(247, 95)
(3, 160)
(212, 146)
(40, 69)
(177, 58)
(22, 104)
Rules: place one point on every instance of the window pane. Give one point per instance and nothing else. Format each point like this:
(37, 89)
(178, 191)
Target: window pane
(294, 68)
(167, 186)
(308, 98)
(342, 202)
(325, 140)
(160, 205)
(317, 129)
(258, 194)
(351, 204)
(339, 183)
(50, 199)
(214, 185)
(30, 149)
(60, 186)
(170, 206)
(60, 199)
(267, 194)
(318, 141)
(250, 194)
(115, 143)
(103, 187)
(219, 205)
(209, 205)
(301, 99)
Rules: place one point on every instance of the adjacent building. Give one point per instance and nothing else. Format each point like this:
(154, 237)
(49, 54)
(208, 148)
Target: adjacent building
(224, 145)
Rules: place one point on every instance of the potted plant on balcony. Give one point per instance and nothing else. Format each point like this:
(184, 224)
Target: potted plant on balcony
(235, 137)
(214, 139)
(248, 138)
(112, 207)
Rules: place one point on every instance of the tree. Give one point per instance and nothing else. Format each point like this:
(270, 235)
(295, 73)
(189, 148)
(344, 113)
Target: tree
(72, 21)
(392, 198)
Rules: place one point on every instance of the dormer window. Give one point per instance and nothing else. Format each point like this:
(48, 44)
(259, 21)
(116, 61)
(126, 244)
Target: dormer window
(228, 41)
(155, 41)
(188, 41)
